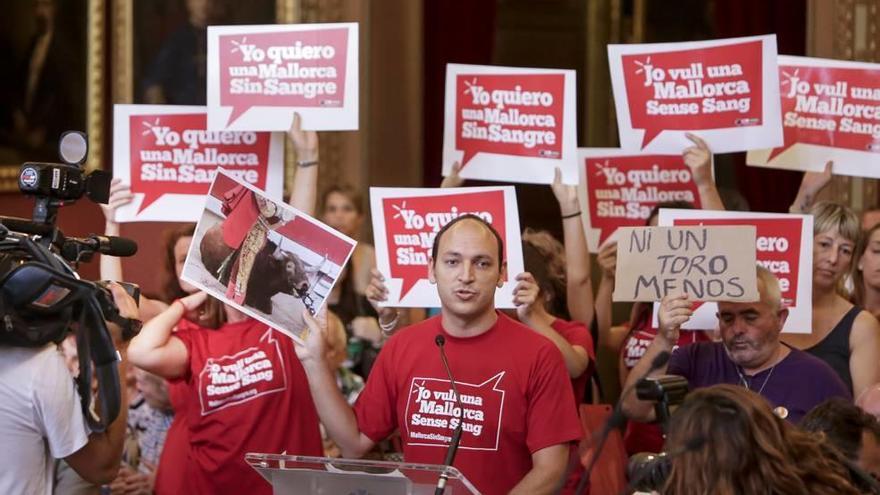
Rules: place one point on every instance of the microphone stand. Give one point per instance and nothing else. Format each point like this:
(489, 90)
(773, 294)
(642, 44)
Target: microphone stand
(456, 433)
(615, 420)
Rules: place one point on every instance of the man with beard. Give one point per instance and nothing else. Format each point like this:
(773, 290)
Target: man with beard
(750, 354)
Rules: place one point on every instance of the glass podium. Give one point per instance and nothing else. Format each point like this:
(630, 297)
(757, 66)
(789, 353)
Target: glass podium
(291, 474)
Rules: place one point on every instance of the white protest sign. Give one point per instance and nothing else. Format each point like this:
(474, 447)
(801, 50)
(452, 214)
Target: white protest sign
(406, 220)
(620, 189)
(258, 76)
(784, 245)
(169, 159)
(726, 91)
(510, 124)
(831, 111)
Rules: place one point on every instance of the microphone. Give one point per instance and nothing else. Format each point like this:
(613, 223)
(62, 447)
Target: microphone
(104, 244)
(616, 420)
(440, 340)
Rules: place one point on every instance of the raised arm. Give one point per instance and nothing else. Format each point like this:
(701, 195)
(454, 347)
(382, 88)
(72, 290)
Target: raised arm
(120, 194)
(453, 179)
(98, 461)
(675, 310)
(811, 185)
(304, 193)
(335, 413)
(698, 158)
(864, 360)
(607, 260)
(377, 293)
(579, 286)
(156, 349)
(111, 266)
(530, 310)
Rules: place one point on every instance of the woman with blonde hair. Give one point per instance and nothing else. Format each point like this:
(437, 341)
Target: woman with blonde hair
(731, 443)
(843, 334)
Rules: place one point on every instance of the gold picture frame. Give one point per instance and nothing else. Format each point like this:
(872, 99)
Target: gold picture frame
(94, 95)
(122, 55)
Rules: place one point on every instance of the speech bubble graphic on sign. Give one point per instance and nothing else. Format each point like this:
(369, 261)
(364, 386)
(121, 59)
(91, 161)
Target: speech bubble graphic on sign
(783, 245)
(509, 124)
(722, 90)
(406, 220)
(260, 75)
(433, 412)
(831, 111)
(169, 159)
(620, 189)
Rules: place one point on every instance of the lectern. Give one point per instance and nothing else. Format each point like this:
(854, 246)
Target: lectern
(294, 475)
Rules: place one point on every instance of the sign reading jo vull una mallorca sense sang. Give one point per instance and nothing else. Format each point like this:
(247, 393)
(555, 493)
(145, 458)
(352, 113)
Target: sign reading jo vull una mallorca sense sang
(726, 91)
(831, 111)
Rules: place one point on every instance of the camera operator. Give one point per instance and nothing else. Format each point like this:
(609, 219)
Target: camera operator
(750, 354)
(41, 418)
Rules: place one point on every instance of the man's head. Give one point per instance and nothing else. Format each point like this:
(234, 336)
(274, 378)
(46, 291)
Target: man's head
(467, 266)
(855, 433)
(750, 331)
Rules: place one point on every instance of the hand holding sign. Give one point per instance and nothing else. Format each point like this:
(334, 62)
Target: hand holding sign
(529, 306)
(305, 143)
(120, 195)
(675, 311)
(707, 263)
(698, 158)
(812, 184)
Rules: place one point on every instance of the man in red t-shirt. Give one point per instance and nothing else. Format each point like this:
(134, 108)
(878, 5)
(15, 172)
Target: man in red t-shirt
(518, 413)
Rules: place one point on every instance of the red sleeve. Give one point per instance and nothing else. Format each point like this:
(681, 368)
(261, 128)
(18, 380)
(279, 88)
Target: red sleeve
(375, 408)
(576, 333)
(184, 332)
(552, 414)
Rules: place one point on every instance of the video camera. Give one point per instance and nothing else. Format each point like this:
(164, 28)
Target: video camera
(648, 471)
(41, 295)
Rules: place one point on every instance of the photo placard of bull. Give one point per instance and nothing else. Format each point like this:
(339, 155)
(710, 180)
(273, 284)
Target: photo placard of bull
(264, 257)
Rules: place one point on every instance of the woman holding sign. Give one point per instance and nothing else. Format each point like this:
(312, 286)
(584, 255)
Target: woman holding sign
(843, 335)
(245, 390)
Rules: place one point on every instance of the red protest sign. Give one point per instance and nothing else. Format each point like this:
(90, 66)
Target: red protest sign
(778, 246)
(695, 87)
(509, 114)
(268, 72)
(166, 155)
(411, 224)
(783, 246)
(505, 123)
(406, 221)
(621, 190)
(831, 111)
(291, 69)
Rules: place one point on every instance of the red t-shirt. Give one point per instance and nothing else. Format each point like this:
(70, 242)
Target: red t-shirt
(248, 393)
(171, 470)
(513, 385)
(576, 333)
(647, 437)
